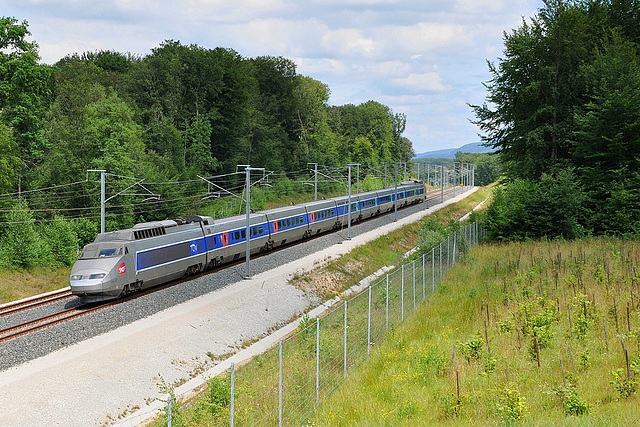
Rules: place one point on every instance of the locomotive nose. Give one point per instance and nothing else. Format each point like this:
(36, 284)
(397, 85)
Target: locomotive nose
(87, 280)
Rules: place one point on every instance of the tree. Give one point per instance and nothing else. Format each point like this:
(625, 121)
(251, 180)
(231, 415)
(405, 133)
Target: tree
(20, 244)
(607, 138)
(9, 160)
(25, 92)
(535, 89)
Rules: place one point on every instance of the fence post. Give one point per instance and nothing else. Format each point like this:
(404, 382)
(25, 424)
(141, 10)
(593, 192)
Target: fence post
(386, 308)
(454, 248)
(317, 362)
(433, 270)
(232, 397)
(280, 383)
(345, 339)
(424, 278)
(414, 284)
(369, 325)
(402, 295)
(440, 262)
(169, 401)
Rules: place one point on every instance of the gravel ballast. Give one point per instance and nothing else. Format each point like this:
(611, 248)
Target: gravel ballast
(91, 370)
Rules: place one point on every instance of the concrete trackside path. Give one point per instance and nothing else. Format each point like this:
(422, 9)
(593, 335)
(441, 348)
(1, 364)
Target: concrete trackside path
(99, 380)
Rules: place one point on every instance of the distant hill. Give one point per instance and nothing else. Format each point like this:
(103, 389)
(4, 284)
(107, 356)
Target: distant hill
(450, 153)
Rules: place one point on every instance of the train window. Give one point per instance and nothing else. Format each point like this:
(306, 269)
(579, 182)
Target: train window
(260, 230)
(243, 234)
(107, 252)
(237, 235)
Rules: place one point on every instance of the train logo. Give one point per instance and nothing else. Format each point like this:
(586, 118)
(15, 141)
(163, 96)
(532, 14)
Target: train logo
(193, 247)
(122, 269)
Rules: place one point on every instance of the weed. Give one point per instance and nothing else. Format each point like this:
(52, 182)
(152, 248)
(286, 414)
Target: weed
(624, 385)
(512, 406)
(571, 404)
(452, 404)
(471, 348)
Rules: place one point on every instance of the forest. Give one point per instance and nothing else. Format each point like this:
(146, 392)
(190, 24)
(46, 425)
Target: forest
(563, 111)
(171, 116)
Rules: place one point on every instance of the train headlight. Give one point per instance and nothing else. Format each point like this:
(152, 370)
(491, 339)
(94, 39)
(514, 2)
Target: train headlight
(97, 276)
(76, 277)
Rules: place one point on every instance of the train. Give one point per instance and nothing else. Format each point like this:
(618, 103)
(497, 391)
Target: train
(123, 262)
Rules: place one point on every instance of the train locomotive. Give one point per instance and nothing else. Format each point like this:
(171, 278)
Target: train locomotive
(122, 262)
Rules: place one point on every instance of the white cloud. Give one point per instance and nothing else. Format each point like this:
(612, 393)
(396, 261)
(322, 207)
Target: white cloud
(430, 82)
(348, 42)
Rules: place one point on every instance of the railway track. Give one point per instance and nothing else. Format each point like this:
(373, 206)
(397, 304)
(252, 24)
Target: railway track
(34, 302)
(75, 312)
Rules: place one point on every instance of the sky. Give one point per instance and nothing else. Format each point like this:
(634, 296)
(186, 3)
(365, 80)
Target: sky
(426, 59)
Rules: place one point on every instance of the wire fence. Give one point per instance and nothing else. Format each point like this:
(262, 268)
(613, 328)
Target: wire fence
(284, 385)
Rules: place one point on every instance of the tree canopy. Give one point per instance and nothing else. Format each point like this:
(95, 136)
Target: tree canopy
(564, 99)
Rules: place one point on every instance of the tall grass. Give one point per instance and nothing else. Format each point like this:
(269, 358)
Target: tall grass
(492, 308)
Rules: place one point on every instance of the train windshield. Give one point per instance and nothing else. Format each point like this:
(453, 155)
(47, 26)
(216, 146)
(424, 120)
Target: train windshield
(100, 251)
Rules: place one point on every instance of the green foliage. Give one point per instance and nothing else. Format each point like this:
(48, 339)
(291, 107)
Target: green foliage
(564, 97)
(524, 209)
(571, 403)
(623, 385)
(20, 244)
(60, 241)
(512, 406)
(218, 395)
(430, 235)
(471, 348)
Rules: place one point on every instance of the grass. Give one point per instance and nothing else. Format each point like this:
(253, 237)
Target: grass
(521, 292)
(18, 284)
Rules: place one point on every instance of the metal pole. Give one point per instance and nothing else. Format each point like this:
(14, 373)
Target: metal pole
(102, 202)
(424, 278)
(349, 207)
(358, 179)
(280, 383)
(385, 174)
(345, 339)
(232, 397)
(317, 362)
(315, 186)
(402, 295)
(433, 270)
(395, 205)
(440, 262)
(248, 205)
(414, 284)
(386, 308)
(369, 325)
(441, 184)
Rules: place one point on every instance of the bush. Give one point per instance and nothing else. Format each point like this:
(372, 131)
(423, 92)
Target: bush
(524, 209)
(60, 241)
(20, 243)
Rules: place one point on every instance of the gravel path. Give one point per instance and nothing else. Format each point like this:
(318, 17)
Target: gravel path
(91, 370)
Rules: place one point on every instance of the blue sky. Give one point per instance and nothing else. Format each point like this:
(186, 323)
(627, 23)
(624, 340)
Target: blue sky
(424, 58)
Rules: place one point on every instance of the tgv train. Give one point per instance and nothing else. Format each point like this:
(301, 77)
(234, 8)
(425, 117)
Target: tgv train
(121, 262)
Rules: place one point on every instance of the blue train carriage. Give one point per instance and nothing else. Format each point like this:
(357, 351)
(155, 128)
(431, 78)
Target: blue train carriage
(368, 205)
(288, 224)
(323, 216)
(342, 203)
(227, 237)
(385, 199)
(125, 261)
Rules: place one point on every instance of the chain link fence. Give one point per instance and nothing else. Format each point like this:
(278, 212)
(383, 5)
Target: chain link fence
(284, 385)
